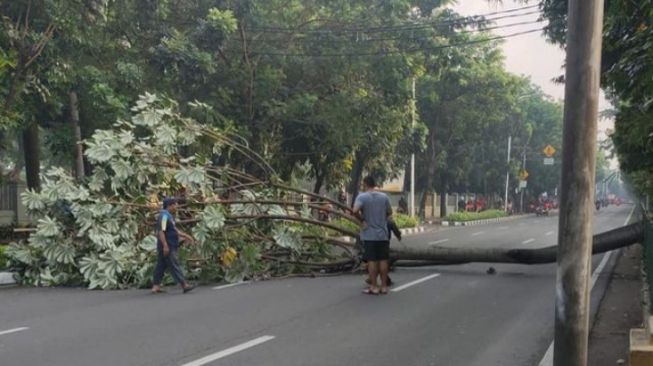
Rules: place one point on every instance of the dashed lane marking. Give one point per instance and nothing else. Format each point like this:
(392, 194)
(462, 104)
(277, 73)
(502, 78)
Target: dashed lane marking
(9, 331)
(230, 285)
(413, 283)
(229, 351)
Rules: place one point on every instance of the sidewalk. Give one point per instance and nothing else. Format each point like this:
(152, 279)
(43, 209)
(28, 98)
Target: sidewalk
(619, 311)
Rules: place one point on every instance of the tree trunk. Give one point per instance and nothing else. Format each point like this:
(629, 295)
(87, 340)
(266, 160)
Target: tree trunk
(604, 242)
(422, 203)
(406, 186)
(319, 181)
(32, 156)
(356, 173)
(443, 196)
(79, 150)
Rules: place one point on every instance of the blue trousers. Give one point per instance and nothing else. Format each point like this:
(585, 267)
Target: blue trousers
(170, 262)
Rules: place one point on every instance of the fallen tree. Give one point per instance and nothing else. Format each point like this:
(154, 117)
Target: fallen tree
(604, 242)
(248, 223)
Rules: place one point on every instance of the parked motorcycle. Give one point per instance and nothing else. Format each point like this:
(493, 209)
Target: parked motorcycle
(541, 210)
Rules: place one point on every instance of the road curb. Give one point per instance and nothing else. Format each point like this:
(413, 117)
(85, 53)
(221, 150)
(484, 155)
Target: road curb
(404, 232)
(483, 222)
(7, 278)
(412, 230)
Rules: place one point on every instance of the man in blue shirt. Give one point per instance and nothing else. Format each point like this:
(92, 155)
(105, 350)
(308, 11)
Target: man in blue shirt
(374, 208)
(167, 245)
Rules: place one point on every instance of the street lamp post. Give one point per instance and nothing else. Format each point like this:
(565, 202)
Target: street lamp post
(505, 202)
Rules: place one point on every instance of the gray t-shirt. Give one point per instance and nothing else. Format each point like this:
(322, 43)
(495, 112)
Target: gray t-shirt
(375, 207)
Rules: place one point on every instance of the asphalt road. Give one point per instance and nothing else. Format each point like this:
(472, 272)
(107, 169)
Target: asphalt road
(441, 315)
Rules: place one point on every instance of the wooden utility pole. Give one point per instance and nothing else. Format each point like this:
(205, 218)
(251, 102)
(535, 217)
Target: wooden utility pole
(577, 184)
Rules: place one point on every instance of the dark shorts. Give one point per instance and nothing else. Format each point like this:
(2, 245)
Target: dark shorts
(376, 250)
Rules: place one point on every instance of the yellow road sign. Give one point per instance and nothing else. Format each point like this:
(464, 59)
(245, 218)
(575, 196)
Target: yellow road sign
(549, 151)
(523, 175)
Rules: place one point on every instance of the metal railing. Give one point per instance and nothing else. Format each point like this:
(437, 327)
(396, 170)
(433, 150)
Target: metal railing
(8, 197)
(648, 260)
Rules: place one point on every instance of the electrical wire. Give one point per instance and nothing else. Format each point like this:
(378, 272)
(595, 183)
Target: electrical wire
(383, 39)
(391, 52)
(412, 26)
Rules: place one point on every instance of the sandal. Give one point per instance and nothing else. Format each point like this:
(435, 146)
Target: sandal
(383, 291)
(155, 292)
(188, 288)
(390, 283)
(371, 291)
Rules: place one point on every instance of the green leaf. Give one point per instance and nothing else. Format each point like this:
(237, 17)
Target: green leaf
(250, 254)
(48, 227)
(20, 253)
(33, 200)
(165, 135)
(223, 20)
(213, 217)
(201, 233)
(190, 176)
(285, 238)
(276, 210)
(88, 266)
(121, 168)
(60, 253)
(148, 243)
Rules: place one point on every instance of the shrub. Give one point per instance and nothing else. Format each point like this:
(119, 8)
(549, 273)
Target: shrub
(405, 221)
(471, 216)
(4, 261)
(346, 224)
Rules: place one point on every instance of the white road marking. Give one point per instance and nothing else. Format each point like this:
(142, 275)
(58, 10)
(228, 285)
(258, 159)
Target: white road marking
(629, 216)
(478, 233)
(229, 351)
(528, 241)
(439, 241)
(549, 233)
(547, 360)
(230, 285)
(9, 331)
(409, 284)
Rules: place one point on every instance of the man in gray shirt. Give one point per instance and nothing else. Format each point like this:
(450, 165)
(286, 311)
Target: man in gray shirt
(374, 208)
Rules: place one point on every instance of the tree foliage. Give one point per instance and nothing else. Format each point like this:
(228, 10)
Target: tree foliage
(100, 232)
(627, 77)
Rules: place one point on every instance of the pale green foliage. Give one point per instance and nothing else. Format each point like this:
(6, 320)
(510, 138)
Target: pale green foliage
(93, 230)
(222, 20)
(287, 238)
(213, 218)
(101, 232)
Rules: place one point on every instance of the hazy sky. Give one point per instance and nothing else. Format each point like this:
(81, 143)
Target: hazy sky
(529, 54)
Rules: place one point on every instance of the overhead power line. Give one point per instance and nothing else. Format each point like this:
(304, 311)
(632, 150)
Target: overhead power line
(359, 40)
(392, 52)
(488, 17)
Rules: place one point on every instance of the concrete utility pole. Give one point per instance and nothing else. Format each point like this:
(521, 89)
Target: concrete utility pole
(523, 168)
(412, 156)
(577, 183)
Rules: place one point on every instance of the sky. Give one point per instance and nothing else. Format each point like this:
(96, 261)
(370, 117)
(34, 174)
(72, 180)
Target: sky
(529, 54)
